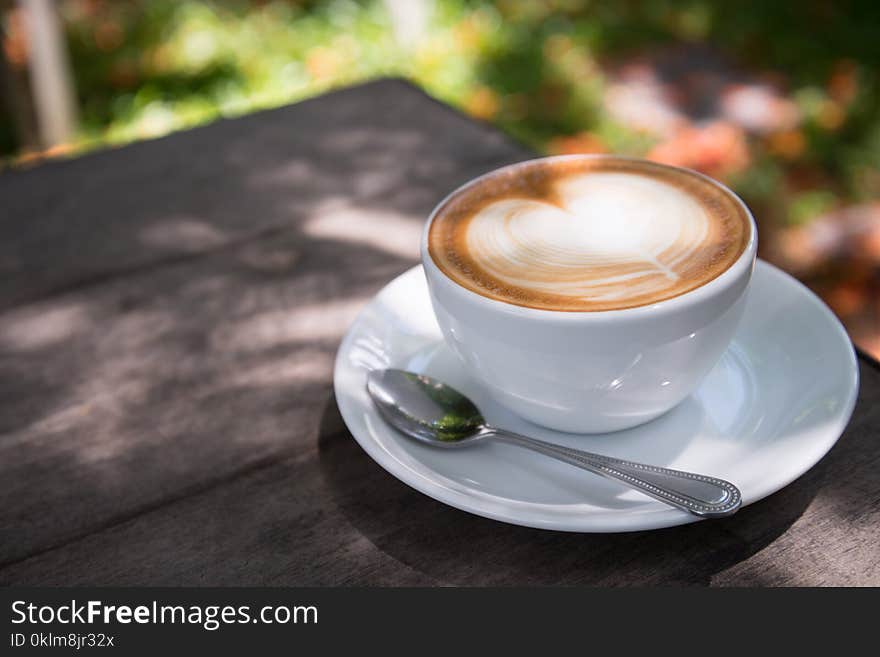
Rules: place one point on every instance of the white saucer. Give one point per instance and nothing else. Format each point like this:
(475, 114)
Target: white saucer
(773, 406)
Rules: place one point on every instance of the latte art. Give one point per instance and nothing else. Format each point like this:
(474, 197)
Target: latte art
(611, 237)
(588, 234)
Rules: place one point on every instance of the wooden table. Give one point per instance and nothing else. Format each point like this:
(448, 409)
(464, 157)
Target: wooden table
(169, 315)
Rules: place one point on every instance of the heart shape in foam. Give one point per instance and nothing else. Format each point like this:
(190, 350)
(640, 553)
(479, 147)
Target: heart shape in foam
(608, 229)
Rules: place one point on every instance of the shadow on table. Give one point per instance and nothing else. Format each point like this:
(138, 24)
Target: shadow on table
(458, 548)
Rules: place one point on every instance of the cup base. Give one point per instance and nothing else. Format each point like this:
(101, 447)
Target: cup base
(578, 424)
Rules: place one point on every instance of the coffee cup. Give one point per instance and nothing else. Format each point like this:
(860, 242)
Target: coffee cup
(589, 293)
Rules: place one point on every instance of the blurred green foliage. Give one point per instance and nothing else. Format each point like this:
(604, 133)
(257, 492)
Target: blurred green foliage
(539, 69)
(146, 68)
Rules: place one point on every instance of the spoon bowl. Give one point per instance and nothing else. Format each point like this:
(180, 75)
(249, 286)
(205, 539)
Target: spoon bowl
(425, 409)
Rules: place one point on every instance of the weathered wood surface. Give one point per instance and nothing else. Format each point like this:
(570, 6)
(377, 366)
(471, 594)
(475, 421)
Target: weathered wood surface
(169, 314)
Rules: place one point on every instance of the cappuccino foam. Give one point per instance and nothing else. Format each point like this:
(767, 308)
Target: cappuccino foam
(587, 234)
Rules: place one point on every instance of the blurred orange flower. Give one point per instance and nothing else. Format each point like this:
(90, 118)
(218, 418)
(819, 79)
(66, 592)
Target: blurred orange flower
(482, 103)
(871, 243)
(15, 43)
(843, 85)
(108, 35)
(467, 33)
(831, 115)
(789, 144)
(123, 74)
(557, 46)
(717, 149)
(323, 63)
(852, 232)
(582, 142)
(846, 299)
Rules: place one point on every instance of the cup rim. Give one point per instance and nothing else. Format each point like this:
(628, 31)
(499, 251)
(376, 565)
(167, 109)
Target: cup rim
(743, 263)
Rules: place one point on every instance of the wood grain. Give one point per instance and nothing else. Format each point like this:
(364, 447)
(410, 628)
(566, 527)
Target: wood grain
(169, 313)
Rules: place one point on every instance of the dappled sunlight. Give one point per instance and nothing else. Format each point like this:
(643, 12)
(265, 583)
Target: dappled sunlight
(298, 324)
(104, 409)
(383, 230)
(215, 357)
(306, 367)
(34, 328)
(372, 156)
(270, 258)
(358, 141)
(293, 171)
(182, 234)
(352, 164)
(101, 389)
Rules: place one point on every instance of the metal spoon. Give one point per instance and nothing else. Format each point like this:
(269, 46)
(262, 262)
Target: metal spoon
(434, 413)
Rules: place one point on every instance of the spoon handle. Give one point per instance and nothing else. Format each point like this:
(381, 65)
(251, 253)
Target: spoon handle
(704, 496)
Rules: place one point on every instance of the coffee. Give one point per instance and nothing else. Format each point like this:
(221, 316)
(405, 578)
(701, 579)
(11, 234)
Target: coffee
(587, 233)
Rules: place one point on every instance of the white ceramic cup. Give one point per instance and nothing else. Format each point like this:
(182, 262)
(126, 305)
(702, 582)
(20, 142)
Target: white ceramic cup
(591, 372)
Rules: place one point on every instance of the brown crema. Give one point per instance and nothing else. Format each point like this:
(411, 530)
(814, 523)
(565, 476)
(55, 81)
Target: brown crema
(695, 254)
